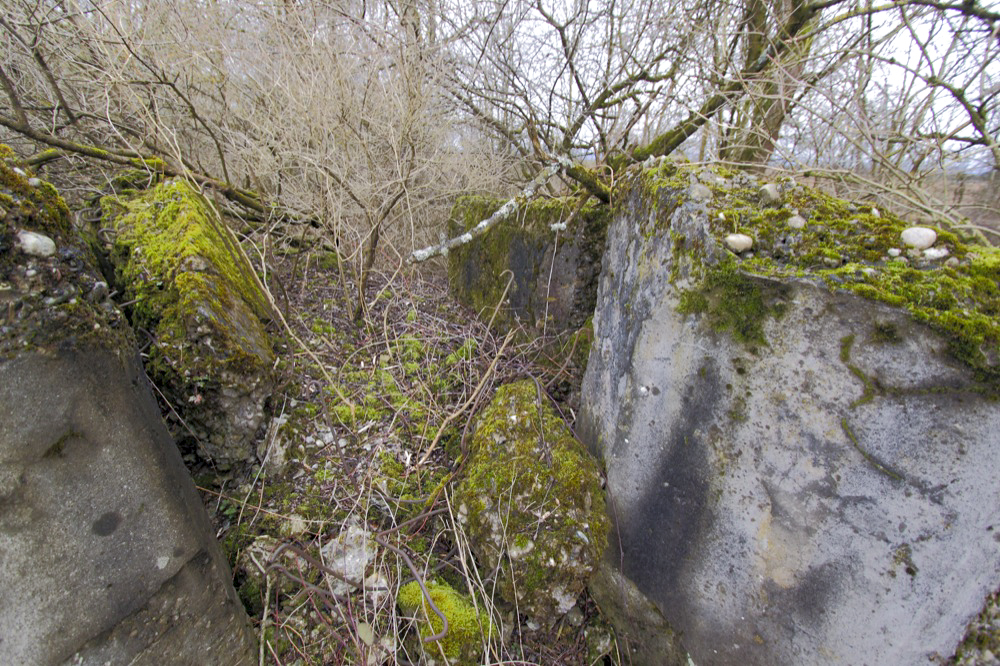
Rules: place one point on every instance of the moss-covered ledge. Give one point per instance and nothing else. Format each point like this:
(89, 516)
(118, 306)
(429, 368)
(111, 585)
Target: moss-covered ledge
(953, 287)
(191, 288)
(52, 296)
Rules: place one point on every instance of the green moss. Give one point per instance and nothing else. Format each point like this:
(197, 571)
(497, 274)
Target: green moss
(982, 634)
(134, 180)
(328, 261)
(467, 628)
(409, 348)
(236, 540)
(478, 271)
(668, 175)
(39, 205)
(845, 348)
(579, 343)
(531, 485)
(734, 302)
(844, 246)
(276, 641)
(251, 595)
(885, 333)
(903, 557)
(322, 327)
(408, 491)
(182, 269)
(463, 353)
(150, 164)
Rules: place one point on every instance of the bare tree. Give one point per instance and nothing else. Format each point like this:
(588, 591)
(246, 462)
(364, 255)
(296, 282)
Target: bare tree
(367, 118)
(882, 92)
(327, 112)
(910, 99)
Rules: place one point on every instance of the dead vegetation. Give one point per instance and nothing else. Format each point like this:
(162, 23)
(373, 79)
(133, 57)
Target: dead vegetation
(368, 463)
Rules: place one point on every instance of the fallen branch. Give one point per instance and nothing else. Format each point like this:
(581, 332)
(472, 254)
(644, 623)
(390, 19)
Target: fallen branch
(506, 210)
(131, 158)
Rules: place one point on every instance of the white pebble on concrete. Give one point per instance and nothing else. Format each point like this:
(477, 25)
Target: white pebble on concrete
(35, 244)
(919, 238)
(738, 242)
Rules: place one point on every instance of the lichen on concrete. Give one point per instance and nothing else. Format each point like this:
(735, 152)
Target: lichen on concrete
(769, 413)
(469, 628)
(192, 289)
(532, 504)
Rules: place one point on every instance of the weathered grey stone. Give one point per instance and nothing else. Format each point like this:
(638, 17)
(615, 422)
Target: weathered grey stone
(815, 486)
(107, 553)
(770, 195)
(348, 554)
(699, 192)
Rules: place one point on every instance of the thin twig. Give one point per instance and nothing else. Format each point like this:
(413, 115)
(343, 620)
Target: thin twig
(465, 405)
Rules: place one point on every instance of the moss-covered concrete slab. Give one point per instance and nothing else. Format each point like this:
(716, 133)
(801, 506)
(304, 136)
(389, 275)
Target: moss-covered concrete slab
(800, 434)
(106, 554)
(191, 288)
(551, 257)
(51, 293)
(532, 504)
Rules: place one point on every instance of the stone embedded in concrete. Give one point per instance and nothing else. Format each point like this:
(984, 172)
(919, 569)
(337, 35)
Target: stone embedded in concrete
(699, 192)
(738, 243)
(348, 555)
(769, 195)
(935, 253)
(919, 238)
(796, 222)
(35, 244)
(824, 494)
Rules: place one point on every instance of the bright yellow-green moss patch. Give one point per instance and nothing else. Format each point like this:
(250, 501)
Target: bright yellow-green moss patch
(468, 630)
(531, 502)
(189, 286)
(183, 270)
